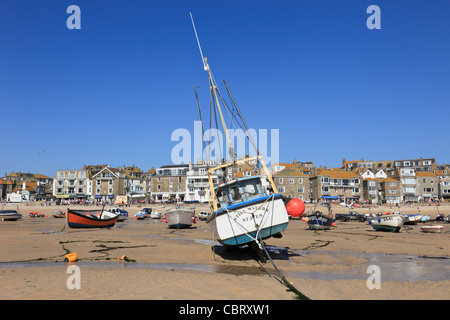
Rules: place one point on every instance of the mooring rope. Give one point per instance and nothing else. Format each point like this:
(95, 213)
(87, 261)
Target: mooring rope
(300, 295)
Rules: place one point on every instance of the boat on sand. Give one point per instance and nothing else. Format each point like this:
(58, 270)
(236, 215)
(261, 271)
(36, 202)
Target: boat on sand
(179, 218)
(432, 229)
(91, 218)
(10, 215)
(390, 223)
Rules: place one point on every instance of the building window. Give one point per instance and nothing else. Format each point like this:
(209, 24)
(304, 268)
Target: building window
(291, 180)
(300, 189)
(281, 180)
(325, 179)
(300, 180)
(281, 189)
(159, 187)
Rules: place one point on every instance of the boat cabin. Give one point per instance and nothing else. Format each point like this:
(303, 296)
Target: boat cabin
(239, 191)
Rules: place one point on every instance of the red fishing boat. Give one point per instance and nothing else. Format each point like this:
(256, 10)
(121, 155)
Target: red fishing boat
(91, 218)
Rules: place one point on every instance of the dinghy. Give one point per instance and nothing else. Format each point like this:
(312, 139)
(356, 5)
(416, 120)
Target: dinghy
(10, 215)
(318, 221)
(432, 229)
(91, 218)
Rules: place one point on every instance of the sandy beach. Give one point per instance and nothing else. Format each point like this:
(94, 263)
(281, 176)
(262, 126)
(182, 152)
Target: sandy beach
(189, 264)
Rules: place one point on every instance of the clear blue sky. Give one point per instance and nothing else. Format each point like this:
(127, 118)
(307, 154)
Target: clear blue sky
(114, 91)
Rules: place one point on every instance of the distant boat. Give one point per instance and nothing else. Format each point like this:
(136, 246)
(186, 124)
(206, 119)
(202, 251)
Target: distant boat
(123, 215)
(155, 215)
(59, 214)
(391, 222)
(432, 229)
(37, 215)
(10, 215)
(143, 214)
(91, 218)
(318, 221)
(412, 218)
(179, 218)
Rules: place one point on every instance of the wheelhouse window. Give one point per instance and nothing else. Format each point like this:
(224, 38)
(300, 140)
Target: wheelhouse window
(241, 190)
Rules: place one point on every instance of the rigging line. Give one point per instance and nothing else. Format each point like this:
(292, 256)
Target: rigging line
(231, 115)
(198, 41)
(240, 115)
(217, 130)
(200, 116)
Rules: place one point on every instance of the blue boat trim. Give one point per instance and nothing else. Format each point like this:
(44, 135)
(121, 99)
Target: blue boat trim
(247, 238)
(246, 204)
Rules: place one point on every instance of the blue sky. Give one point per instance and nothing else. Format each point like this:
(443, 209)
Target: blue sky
(115, 90)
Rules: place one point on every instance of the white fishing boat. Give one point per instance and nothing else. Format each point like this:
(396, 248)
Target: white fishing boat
(179, 218)
(10, 215)
(432, 229)
(391, 222)
(155, 215)
(248, 209)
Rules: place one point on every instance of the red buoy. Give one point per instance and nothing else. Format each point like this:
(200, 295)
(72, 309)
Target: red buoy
(295, 207)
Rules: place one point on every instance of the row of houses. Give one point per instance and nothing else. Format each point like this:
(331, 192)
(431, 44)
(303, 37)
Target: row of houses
(393, 181)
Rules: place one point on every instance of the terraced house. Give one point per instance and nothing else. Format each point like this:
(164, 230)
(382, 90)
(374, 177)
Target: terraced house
(292, 183)
(344, 184)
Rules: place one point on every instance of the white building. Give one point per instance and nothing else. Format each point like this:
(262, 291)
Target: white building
(197, 183)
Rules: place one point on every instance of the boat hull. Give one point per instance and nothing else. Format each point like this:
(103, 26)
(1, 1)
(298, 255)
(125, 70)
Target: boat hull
(389, 223)
(89, 219)
(260, 219)
(319, 222)
(179, 218)
(10, 215)
(432, 229)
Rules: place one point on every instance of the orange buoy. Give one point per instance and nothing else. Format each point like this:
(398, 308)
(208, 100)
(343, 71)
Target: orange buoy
(71, 257)
(295, 207)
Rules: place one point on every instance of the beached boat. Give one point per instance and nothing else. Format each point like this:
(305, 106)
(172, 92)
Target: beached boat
(91, 218)
(10, 215)
(318, 221)
(37, 215)
(123, 215)
(412, 218)
(248, 209)
(155, 215)
(391, 222)
(58, 214)
(143, 214)
(432, 229)
(180, 218)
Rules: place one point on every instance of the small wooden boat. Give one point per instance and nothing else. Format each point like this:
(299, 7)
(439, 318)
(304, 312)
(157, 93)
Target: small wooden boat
(432, 229)
(318, 221)
(180, 218)
(91, 218)
(10, 215)
(58, 214)
(390, 223)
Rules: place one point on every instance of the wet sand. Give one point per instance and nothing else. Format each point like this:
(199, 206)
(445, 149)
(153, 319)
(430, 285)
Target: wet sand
(189, 264)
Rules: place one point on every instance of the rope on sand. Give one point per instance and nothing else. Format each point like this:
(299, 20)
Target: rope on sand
(300, 296)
